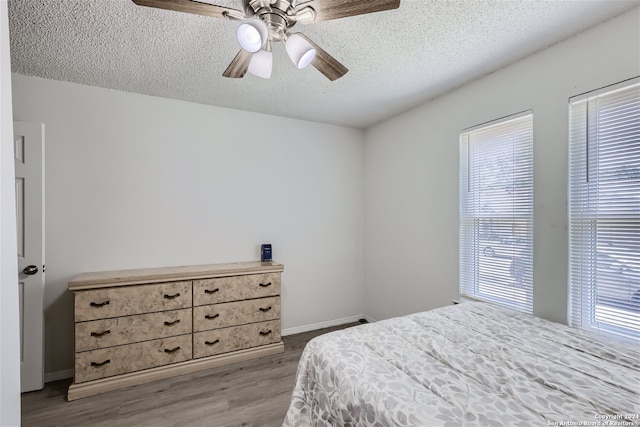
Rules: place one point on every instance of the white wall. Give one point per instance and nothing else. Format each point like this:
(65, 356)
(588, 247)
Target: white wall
(136, 181)
(412, 172)
(9, 314)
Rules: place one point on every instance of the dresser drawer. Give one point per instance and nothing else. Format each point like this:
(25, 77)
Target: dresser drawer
(235, 288)
(224, 340)
(216, 316)
(107, 362)
(124, 301)
(131, 329)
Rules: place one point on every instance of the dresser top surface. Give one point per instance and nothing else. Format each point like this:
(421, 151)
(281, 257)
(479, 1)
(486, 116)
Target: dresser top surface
(103, 279)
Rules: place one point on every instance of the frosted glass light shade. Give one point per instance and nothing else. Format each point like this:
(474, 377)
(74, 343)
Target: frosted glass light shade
(300, 50)
(261, 64)
(252, 35)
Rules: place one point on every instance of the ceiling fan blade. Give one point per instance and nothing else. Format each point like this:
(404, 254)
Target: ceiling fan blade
(239, 66)
(334, 9)
(325, 63)
(195, 7)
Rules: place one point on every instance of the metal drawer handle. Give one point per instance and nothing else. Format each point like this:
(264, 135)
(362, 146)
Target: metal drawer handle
(172, 296)
(263, 309)
(264, 285)
(175, 322)
(172, 350)
(95, 364)
(99, 304)
(212, 342)
(211, 291)
(212, 316)
(263, 333)
(101, 334)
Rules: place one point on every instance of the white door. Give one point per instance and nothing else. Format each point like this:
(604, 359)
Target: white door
(29, 153)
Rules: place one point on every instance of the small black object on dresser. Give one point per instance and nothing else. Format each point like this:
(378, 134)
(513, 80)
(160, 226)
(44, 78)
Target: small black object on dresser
(266, 255)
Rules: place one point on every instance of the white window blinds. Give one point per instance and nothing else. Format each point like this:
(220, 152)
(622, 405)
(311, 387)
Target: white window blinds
(496, 212)
(604, 210)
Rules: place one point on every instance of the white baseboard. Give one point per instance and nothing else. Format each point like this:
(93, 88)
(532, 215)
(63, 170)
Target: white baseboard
(370, 319)
(320, 325)
(58, 375)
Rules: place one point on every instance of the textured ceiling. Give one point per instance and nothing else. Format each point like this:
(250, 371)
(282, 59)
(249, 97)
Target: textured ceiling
(397, 59)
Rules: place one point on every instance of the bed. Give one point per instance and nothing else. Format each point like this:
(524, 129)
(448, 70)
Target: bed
(467, 364)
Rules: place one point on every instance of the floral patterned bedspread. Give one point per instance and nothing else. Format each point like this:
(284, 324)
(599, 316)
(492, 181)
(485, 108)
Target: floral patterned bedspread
(468, 364)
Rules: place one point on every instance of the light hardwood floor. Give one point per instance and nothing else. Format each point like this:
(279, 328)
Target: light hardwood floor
(253, 393)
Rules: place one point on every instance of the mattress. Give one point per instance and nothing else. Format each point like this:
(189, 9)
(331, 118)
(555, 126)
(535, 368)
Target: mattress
(470, 364)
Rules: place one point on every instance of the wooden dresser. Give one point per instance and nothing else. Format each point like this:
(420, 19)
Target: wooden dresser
(137, 326)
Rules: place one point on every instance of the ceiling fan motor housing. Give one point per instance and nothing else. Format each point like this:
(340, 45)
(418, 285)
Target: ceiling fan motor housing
(279, 16)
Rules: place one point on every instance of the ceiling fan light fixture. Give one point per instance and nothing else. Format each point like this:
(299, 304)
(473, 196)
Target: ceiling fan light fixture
(300, 50)
(261, 64)
(306, 14)
(252, 35)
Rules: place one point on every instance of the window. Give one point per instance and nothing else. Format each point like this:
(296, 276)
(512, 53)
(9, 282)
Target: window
(496, 212)
(604, 210)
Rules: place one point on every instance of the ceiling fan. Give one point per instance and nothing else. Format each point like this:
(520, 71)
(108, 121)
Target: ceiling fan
(264, 22)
